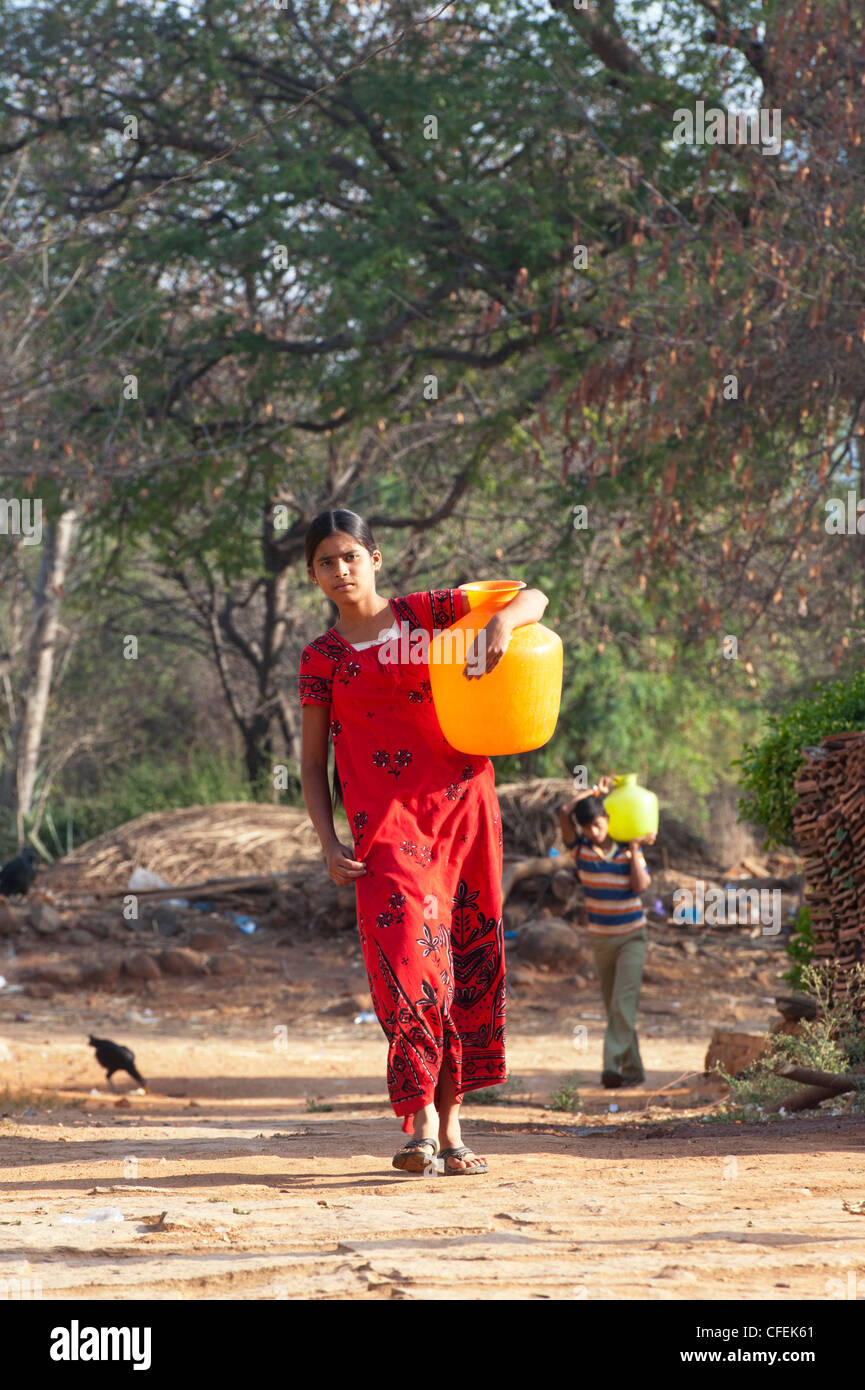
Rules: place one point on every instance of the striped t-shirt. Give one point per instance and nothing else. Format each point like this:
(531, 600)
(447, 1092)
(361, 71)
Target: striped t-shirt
(612, 906)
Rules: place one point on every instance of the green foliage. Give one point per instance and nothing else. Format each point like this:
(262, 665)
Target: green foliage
(770, 766)
(567, 1097)
(800, 947)
(202, 778)
(833, 1042)
(397, 246)
(511, 1092)
(615, 702)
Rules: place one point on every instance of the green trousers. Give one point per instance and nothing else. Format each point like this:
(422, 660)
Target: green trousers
(619, 962)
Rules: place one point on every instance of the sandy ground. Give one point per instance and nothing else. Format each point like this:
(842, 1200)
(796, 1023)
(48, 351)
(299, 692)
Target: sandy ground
(258, 1166)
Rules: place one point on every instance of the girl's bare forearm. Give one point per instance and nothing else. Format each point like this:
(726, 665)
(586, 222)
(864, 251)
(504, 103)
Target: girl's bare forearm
(528, 607)
(316, 794)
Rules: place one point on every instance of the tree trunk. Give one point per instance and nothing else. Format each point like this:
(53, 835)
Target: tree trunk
(19, 777)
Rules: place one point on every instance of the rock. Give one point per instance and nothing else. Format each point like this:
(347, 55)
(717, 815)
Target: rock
(141, 966)
(10, 924)
(100, 926)
(520, 977)
(167, 921)
(549, 941)
(101, 976)
(227, 964)
(39, 991)
(734, 1051)
(292, 907)
(515, 914)
(207, 940)
(348, 1006)
(61, 976)
(132, 924)
(563, 885)
(788, 1025)
(79, 936)
(346, 905)
(179, 960)
(44, 919)
(795, 1006)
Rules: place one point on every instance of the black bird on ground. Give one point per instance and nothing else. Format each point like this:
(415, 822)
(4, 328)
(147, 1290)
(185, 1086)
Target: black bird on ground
(113, 1057)
(18, 874)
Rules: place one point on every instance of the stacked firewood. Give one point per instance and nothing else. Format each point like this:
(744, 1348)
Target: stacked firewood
(829, 821)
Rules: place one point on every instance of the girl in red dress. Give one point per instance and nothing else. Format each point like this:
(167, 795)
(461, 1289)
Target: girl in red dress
(427, 855)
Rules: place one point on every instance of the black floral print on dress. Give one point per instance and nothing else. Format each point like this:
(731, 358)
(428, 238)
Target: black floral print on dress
(437, 989)
(394, 912)
(348, 671)
(422, 854)
(401, 760)
(429, 942)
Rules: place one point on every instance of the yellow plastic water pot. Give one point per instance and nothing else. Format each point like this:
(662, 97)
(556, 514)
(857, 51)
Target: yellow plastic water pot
(512, 708)
(633, 811)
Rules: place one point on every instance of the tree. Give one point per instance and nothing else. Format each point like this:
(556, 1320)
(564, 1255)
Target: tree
(337, 248)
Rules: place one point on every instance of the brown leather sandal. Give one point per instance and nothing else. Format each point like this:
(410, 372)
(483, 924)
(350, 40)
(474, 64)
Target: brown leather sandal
(462, 1152)
(412, 1158)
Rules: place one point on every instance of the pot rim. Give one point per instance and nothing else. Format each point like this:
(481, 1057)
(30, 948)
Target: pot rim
(499, 590)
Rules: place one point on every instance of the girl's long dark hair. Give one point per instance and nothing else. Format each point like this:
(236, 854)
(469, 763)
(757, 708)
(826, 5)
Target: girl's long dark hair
(328, 523)
(324, 525)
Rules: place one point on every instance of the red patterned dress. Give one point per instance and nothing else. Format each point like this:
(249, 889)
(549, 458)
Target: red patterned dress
(426, 822)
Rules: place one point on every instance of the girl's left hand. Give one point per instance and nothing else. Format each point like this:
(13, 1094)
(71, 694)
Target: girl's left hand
(493, 640)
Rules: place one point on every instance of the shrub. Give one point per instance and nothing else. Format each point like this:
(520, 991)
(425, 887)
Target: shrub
(833, 1042)
(567, 1097)
(770, 767)
(800, 947)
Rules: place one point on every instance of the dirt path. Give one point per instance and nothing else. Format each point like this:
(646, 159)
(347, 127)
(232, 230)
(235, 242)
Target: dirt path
(235, 1181)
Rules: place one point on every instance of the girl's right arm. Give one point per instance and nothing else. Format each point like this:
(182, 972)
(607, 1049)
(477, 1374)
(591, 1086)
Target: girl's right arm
(341, 865)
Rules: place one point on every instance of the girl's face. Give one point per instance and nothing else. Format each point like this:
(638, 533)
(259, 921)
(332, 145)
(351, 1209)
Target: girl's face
(344, 568)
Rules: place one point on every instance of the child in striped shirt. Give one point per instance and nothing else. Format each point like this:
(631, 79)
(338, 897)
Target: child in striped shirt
(613, 876)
